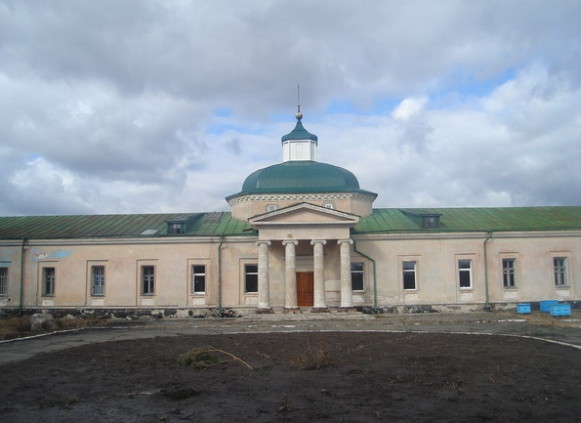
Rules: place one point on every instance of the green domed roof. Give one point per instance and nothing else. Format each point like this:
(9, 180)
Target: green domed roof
(299, 133)
(300, 177)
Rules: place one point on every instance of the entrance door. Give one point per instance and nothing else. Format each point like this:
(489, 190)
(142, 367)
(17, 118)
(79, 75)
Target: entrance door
(305, 289)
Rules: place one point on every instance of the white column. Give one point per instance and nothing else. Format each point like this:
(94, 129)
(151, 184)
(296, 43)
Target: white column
(318, 264)
(290, 274)
(263, 284)
(346, 287)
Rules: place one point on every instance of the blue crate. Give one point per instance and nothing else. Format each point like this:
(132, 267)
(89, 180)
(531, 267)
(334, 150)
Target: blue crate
(524, 308)
(546, 305)
(561, 310)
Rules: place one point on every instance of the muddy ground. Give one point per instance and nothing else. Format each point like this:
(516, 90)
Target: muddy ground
(416, 377)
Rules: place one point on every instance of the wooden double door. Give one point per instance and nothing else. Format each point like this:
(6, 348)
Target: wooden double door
(305, 289)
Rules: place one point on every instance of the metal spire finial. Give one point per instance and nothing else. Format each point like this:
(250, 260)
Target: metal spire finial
(299, 115)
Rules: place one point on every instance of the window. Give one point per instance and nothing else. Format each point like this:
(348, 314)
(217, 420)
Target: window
(329, 206)
(97, 280)
(198, 279)
(431, 221)
(271, 207)
(48, 281)
(409, 275)
(357, 276)
(250, 278)
(508, 273)
(147, 280)
(3, 281)
(465, 273)
(560, 267)
(176, 228)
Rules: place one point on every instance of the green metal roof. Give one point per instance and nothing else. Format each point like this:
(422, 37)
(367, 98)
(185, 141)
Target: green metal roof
(300, 177)
(120, 226)
(299, 133)
(222, 223)
(472, 219)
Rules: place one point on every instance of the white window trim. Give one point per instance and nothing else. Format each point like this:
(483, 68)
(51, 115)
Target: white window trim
(243, 263)
(403, 259)
(140, 265)
(90, 265)
(517, 273)
(5, 265)
(568, 269)
(363, 277)
(191, 264)
(41, 273)
(457, 259)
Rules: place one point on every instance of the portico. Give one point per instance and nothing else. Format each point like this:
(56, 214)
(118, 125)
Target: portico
(317, 227)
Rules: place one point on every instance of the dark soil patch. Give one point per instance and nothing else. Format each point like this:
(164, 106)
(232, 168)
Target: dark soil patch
(366, 377)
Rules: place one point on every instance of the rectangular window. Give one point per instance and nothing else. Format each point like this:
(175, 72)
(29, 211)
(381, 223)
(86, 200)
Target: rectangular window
(147, 280)
(97, 280)
(198, 278)
(409, 275)
(560, 267)
(509, 273)
(250, 278)
(3, 281)
(465, 273)
(357, 276)
(48, 281)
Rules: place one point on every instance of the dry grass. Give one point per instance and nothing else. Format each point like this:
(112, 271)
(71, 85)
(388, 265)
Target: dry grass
(545, 319)
(312, 356)
(16, 327)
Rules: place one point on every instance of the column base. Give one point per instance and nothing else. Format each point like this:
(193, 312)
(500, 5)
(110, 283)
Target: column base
(320, 310)
(291, 310)
(346, 309)
(264, 311)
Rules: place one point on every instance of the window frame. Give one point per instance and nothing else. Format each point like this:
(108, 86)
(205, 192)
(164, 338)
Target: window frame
(147, 279)
(358, 272)
(48, 281)
(460, 271)
(509, 273)
(561, 272)
(4, 274)
(94, 283)
(271, 207)
(248, 274)
(413, 271)
(193, 278)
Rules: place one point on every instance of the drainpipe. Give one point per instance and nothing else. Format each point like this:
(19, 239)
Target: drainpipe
(374, 275)
(486, 269)
(220, 277)
(21, 301)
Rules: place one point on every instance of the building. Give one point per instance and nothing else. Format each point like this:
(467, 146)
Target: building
(302, 236)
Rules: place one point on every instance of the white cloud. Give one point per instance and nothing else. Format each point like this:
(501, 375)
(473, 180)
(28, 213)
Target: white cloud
(112, 106)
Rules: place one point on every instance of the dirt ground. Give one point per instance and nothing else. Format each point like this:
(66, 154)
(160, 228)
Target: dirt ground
(416, 377)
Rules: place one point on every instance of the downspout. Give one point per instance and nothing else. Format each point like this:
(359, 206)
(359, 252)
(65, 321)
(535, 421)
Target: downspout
(374, 275)
(220, 277)
(21, 301)
(486, 270)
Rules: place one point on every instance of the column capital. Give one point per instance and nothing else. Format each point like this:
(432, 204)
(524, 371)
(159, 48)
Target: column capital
(290, 241)
(263, 242)
(318, 241)
(343, 241)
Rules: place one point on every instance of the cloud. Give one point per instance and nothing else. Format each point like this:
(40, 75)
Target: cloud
(119, 106)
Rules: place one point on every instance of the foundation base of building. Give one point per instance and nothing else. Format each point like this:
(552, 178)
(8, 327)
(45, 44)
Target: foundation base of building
(291, 310)
(320, 310)
(346, 309)
(264, 311)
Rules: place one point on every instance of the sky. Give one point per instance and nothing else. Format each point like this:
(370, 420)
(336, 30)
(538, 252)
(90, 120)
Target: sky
(155, 106)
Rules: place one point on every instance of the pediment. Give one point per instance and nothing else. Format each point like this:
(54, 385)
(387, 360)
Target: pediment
(305, 214)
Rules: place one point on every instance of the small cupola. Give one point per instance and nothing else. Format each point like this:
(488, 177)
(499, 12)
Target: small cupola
(299, 144)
